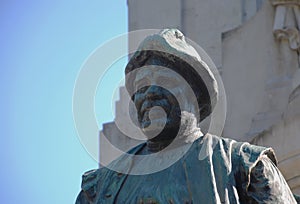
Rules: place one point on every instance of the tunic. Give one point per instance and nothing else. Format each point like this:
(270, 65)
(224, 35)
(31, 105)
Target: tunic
(232, 172)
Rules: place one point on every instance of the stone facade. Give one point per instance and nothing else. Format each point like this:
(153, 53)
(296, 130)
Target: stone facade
(255, 45)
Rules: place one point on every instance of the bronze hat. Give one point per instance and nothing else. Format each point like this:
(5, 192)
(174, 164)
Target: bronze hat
(172, 51)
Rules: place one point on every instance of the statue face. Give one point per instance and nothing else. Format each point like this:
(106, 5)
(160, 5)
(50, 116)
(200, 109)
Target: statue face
(156, 105)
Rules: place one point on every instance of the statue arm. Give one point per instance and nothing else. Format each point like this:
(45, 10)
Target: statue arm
(267, 185)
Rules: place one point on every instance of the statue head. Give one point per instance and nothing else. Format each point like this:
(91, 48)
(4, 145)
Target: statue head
(155, 76)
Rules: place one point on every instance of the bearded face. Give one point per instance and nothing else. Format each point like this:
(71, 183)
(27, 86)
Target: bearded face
(157, 99)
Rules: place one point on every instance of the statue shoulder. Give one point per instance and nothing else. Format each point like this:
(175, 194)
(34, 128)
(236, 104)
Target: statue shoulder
(104, 177)
(245, 152)
(251, 154)
(242, 154)
(89, 185)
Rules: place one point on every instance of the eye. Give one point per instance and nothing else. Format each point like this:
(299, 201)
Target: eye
(142, 90)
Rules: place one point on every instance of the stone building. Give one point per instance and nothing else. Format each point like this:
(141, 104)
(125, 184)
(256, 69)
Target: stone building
(255, 46)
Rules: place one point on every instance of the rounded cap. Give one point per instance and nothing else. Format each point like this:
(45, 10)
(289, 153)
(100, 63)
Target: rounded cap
(172, 51)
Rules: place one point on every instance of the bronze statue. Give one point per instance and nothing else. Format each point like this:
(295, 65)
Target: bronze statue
(212, 169)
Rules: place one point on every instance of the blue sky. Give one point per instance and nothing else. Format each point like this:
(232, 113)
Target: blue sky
(43, 46)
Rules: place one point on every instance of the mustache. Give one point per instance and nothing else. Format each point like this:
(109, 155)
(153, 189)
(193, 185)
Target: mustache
(148, 104)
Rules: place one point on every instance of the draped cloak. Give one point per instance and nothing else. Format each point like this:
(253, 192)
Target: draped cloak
(231, 172)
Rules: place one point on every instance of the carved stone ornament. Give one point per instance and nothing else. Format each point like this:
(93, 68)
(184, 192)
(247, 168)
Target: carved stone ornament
(287, 21)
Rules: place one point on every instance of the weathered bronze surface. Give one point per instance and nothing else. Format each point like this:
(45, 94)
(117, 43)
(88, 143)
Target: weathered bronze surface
(229, 171)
